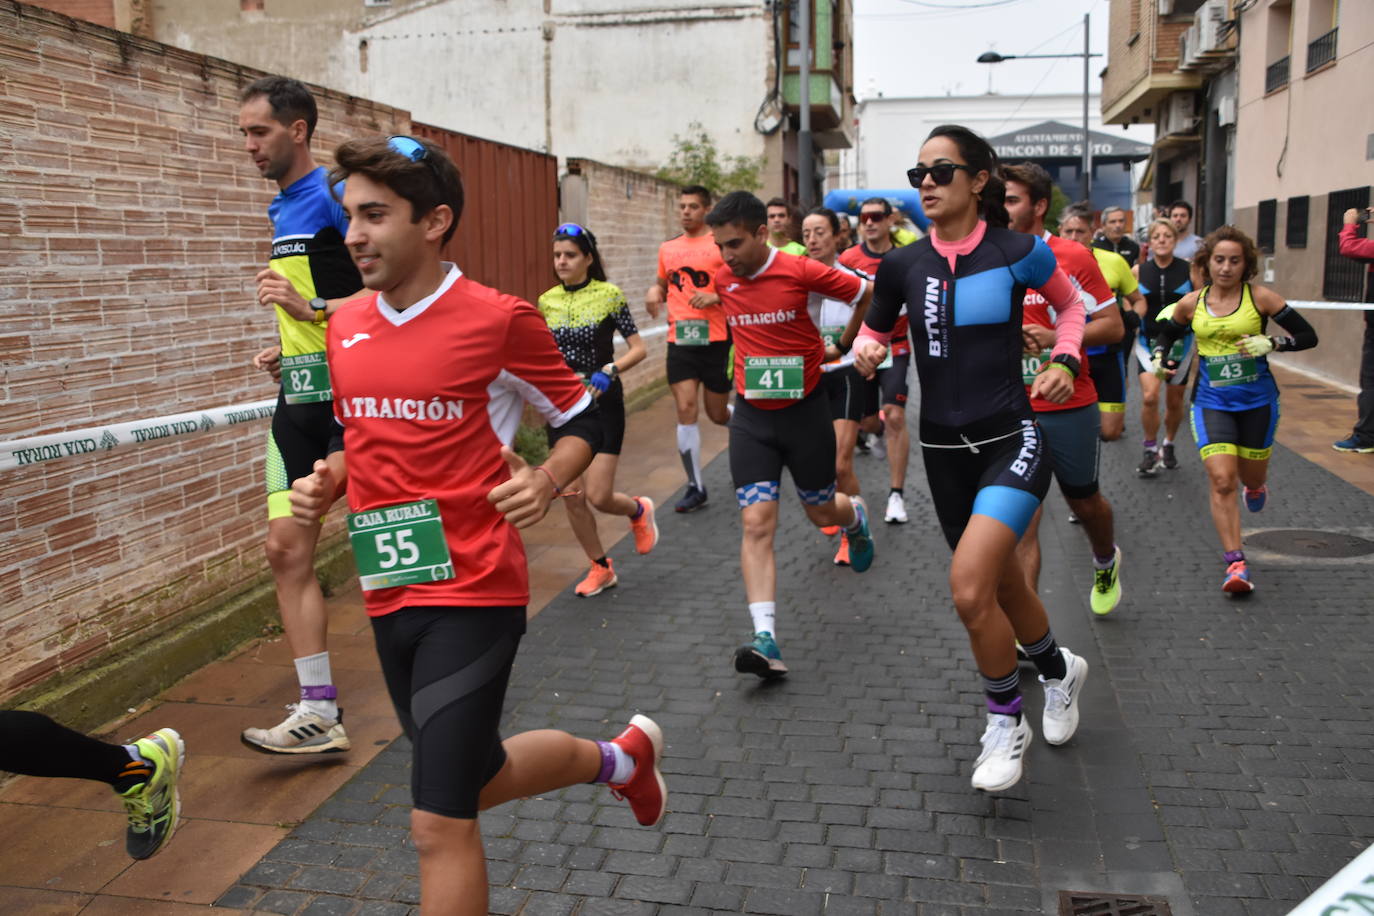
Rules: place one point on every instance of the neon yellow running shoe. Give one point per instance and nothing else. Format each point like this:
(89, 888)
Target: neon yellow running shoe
(1106, 593)
(154, 805)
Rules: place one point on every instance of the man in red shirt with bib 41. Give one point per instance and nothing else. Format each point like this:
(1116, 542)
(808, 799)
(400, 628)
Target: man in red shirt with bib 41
(782, 418)
(430, 374)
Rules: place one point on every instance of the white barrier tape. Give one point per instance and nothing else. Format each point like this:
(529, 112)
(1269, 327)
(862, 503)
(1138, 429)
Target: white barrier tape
(1332, 306)
(39, 449)
(1350, 890)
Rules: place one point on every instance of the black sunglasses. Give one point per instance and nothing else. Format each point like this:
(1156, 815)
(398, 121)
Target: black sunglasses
(942, 172)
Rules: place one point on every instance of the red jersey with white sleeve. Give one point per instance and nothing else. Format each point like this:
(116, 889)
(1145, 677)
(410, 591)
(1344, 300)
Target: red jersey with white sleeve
(768, 315)
(1079, 264)
(860, 258)
(427, 396)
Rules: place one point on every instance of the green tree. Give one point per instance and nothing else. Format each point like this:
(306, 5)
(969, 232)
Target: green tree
(1058, 201)
(696, 160)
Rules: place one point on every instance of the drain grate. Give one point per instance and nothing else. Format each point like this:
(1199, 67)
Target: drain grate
(1092, 903)
(1306, 542)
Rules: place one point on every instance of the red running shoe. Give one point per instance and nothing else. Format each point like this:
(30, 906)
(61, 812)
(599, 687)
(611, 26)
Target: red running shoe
(645, 790)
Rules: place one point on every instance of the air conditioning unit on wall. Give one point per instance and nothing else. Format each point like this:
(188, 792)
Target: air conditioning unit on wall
(1179, 114)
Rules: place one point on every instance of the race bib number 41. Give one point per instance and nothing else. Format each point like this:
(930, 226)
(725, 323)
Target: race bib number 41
(305, 378)
(774, 377)
(400, 545)
(691, 332)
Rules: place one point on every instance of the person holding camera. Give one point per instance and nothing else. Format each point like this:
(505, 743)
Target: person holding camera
(1354, 245)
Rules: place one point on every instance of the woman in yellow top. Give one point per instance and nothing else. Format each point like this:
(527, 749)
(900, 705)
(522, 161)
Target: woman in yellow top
(1235, 399)
(585, 312)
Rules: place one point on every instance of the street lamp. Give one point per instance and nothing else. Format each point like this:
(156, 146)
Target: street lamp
(992, 57)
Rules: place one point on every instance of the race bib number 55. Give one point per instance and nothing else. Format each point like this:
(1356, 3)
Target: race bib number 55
(400, 545)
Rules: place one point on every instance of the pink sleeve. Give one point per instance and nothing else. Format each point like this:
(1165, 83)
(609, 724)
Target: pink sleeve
(1352, 246)
(1069, 318)
(865, 332)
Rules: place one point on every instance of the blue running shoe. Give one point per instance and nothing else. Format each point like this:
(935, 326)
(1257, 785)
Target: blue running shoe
(1353, 444)
(860, 542)
(1237, 581)
(1254, 499)
(760, 657)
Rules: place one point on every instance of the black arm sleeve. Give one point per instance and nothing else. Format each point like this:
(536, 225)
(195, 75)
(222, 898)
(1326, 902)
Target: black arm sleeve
(1304, 338)
(888, 296)
(336, 433)
(1170, 332)
(585, 426)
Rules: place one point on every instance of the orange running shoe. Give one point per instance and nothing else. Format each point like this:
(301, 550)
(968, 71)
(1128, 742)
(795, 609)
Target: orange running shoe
(830, 530)
(598, 580)
(842, 555)
(644, 528)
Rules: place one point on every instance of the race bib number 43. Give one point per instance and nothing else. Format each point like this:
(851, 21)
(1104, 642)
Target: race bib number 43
(774, 377)
(400, 545)
(305, 378)
(1231, 369)
(691, 332)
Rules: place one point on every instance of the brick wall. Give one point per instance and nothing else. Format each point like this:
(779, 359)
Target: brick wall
(131, 225)
(631, 214)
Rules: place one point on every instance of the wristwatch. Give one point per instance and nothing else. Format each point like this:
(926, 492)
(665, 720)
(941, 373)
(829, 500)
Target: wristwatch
(611, 369)
(321, 308)
(1068, 362)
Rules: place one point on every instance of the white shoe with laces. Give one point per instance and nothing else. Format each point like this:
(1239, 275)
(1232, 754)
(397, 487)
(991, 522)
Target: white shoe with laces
(303, 732)
(896, 510)
(877, 446)
(1004, 742)
(1060, 720)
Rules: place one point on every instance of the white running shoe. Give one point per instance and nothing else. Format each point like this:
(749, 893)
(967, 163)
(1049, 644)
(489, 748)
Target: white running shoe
(303, 732)
(1061, 699)
(1004, 741)
(877, 446)
(896, 510)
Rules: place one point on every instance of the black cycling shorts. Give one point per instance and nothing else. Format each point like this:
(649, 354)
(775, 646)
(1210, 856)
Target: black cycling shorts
(799, 437)
(1006, 478)
(1247, 433)
(873, 395)
(844, 389)
(446, 669)
(708, 364)
(611, 412)
(893, 381)
(300, 436)
(1108, 371)
(1074, 437)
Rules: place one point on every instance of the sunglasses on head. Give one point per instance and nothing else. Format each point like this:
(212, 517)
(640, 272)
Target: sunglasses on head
(569, 231)
(409, 147)
(872, 216)
(941, 172)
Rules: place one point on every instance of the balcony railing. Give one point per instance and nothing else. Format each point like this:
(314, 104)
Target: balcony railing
(1321, 50)
(1276, 75)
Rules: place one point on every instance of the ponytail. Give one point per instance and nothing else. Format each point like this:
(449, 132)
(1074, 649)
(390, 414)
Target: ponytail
(980, 156)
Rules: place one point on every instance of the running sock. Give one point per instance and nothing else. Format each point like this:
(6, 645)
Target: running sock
(1045, 654)
(1150, 444)
(689, 447)
(1234, 556)
(616, 765)
(1004, 694)
(639, 509)
(318, 694)
(1167, 441)
(857, 526)
(897, 490)
(35, 745)
(1105, 562)
(764, 614)
(730, 409)
(602, 562)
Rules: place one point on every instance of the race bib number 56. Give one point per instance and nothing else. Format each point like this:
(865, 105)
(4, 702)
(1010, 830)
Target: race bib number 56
(400, 545)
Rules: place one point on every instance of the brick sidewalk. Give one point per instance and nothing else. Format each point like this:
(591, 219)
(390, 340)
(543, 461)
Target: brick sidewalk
(1222, 762)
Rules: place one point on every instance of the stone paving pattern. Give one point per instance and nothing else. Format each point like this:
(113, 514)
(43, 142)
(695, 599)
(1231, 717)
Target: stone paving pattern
(1223, 760)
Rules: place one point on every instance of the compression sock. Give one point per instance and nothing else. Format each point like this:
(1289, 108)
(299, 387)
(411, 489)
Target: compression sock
(34, 745)
(764, 614)
(689, 447)
(1045, 654)
(1234, 556)
(1004, 694)
(616, 765)
(318, 694)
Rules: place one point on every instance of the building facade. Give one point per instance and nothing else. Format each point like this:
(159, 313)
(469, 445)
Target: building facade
(609, 80)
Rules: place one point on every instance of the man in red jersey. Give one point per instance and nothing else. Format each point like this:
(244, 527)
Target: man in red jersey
(1071, 428)
(875, 232)
(698, 342)
(430, 373)
(782, 417)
